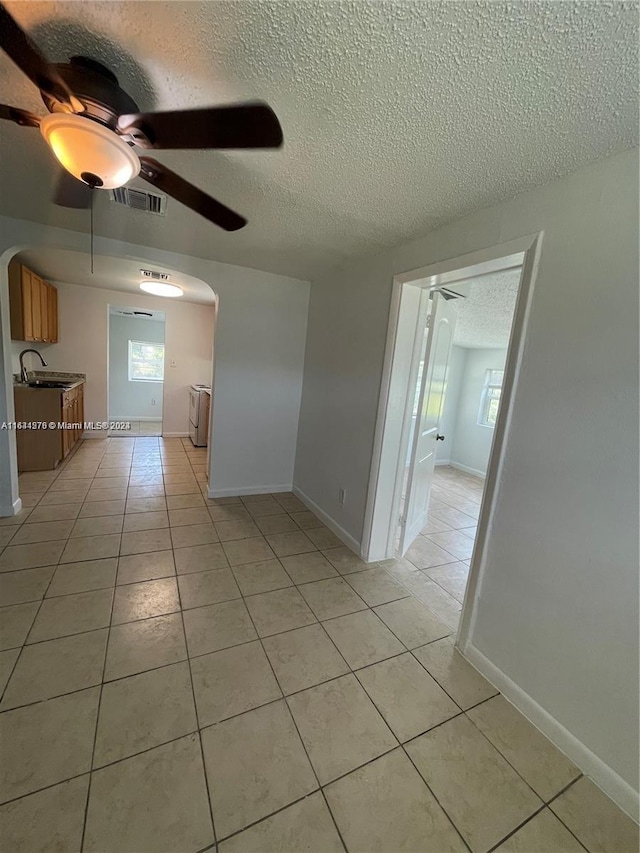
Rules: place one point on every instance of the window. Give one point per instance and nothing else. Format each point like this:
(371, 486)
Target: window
(490, 399)
(146, 361)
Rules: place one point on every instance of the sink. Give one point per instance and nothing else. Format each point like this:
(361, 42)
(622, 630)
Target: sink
(47, 383)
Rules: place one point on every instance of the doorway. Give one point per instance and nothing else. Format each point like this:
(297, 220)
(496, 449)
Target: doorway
(430, 485)
(136, 344)
(457, 393)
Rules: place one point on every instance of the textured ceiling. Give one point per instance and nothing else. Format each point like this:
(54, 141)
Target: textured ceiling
(485, 315)
(123, 274)
(398, 116)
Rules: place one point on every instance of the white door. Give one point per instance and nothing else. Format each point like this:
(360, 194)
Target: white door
(430, 408)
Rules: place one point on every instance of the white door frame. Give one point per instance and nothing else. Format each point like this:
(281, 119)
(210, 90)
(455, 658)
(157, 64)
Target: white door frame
(381, 509)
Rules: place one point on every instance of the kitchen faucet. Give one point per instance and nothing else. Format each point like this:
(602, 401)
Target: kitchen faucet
(24, 374)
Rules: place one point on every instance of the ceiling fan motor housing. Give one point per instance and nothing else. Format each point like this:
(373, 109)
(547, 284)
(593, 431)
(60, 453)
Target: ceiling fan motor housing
(96, 87)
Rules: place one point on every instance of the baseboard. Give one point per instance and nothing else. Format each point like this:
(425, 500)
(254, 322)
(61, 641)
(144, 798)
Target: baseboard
(331, 523)
(170, 435)
(475, 471)
(443, 462)
(613, 785)
(249, 490)
(129, 418)
(11, 510)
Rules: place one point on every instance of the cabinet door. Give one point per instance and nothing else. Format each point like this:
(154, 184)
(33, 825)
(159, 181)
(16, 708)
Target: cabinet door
(76, 418)
(36, 306)
(44, 310)
(80, 391)
(67, 435)
(27, 312)
(63, 432)
(53, 313)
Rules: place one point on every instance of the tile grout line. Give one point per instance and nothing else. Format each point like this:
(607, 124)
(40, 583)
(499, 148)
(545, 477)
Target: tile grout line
(42, 600)
(556, 797)
(98, 709)
(198, 607)
(27, 637)
(239, 645)
(401, 745)
(295, 586)
(354, 673)
(295, 724)
(432, 792)
(199, 727)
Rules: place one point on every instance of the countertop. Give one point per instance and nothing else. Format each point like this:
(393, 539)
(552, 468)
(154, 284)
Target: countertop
(71, 380)
(67, 387)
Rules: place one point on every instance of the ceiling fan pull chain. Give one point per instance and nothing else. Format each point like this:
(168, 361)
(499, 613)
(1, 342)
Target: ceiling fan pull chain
(91, 219)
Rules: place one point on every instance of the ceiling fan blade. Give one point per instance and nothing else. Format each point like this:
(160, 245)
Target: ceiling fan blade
(180, 189)
(19, 116)
(250, 125)
(19, 47)
(70, 192)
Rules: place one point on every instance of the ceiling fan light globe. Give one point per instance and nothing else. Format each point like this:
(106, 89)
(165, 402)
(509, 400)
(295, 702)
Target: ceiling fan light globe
(159, 288)
(85, 147)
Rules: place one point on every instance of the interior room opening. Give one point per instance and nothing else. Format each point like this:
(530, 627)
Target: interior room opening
(455, 345)
(136, 365)
(456, 389)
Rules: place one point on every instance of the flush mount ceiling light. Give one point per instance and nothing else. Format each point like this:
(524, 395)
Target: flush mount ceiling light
(159, 288)
(91, 152)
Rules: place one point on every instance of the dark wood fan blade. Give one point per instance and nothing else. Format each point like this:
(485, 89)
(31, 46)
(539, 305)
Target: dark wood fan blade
(19, 47)
(19, 116)
(175, 186)
(70, 192)
(251, 125)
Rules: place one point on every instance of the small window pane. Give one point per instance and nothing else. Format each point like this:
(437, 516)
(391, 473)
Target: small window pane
(492, 411)
(146, 361)
(490, 399)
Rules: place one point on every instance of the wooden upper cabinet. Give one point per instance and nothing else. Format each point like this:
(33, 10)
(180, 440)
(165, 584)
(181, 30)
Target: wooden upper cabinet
(36, 307)
(20, 305)
(53, 313)
(33, 305)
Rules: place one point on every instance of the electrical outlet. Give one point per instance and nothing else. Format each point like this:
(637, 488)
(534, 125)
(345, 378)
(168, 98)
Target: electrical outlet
(342, 495)
(172, 362)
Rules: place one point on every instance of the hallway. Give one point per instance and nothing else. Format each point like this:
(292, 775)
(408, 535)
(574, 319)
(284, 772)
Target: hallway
(172, 664)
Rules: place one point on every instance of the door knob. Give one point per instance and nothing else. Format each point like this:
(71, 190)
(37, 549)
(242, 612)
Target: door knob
(439, 437)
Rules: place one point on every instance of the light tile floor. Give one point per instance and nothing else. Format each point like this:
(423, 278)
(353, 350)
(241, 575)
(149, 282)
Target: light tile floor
(180, 673)
(136, 428)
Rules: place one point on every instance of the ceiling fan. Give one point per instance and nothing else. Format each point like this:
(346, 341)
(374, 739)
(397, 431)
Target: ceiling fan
(93, 126)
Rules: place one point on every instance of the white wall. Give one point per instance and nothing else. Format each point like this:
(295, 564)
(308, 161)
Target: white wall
(471, 441)
(557, 610)
(130, 399)
(261, 329)
(261, 336)
(83, 331)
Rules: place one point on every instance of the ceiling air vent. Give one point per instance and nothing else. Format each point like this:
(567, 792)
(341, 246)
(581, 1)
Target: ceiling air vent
(154, 275)
(140, 200)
